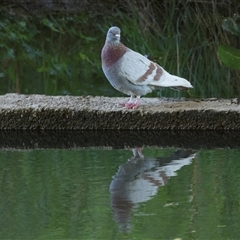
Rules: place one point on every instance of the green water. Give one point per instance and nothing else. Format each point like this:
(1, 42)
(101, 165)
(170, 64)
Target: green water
(106, 193)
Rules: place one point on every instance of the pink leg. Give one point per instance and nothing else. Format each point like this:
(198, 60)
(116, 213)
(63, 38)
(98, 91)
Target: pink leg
(124, 103)
(130, 104)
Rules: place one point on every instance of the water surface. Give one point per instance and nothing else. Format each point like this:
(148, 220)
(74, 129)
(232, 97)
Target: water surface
(127, 193)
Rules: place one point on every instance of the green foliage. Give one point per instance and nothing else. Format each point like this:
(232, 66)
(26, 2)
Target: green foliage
(230, 25)
(46, 56)
(229, 55)
(60, 54)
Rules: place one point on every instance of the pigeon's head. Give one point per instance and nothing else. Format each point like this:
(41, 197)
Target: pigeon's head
(113, 35)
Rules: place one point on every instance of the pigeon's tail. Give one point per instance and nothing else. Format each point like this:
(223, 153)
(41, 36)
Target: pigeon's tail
(175, 82)
(181, 84)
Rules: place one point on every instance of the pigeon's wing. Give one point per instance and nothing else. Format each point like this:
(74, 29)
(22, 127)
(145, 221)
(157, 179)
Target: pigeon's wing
(139, 70)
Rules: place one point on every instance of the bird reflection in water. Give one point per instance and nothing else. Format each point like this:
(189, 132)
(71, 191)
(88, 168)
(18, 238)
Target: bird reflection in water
(138, 181)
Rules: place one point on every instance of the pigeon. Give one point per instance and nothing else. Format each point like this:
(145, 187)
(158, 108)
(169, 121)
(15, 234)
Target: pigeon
(132, 73)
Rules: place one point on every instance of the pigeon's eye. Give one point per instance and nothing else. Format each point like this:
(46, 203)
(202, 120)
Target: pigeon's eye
(115, 34)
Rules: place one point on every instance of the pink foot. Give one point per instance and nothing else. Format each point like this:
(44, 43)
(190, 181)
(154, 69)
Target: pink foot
(130, 105)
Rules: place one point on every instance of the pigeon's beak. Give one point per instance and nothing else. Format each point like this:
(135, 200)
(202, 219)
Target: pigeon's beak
(117, 36)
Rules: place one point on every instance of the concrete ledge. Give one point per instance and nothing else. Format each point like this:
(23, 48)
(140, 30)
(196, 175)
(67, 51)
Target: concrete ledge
(41, 112)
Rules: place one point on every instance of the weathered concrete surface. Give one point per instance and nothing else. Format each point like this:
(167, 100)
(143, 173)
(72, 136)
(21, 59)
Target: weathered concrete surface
(68, 112)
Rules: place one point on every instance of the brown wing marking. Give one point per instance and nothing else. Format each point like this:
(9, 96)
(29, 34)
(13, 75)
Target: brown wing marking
(159, 73)
(151, 68)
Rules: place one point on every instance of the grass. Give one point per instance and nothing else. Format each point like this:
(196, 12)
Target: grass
(183, 38)
(60, 54)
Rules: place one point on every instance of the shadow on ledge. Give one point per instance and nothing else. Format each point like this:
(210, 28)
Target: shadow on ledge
(118, 139)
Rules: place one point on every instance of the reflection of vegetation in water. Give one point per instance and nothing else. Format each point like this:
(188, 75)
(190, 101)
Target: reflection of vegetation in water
(56, 53)
(64, 194)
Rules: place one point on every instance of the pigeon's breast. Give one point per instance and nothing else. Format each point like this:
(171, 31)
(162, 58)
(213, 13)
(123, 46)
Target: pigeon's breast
(111, 54)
